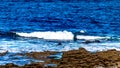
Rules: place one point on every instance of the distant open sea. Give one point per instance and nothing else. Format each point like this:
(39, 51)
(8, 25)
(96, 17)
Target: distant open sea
(57, 26)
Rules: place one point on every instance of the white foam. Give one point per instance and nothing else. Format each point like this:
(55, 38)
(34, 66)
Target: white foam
(90, 37)
(26, 46)
(2, 51)
(93, 47)
(82, 31)
(59, 35)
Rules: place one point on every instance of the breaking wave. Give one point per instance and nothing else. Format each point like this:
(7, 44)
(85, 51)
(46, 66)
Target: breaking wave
(60, 35)
(56, 35)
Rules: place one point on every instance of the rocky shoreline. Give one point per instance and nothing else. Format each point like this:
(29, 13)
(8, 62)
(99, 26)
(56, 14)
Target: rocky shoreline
(80, 58)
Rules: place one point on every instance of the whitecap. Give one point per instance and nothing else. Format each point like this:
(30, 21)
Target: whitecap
(91, 37)
(50, 35)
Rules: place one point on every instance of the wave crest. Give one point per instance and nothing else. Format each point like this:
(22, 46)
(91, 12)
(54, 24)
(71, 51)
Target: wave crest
(50, 35)
(60, 35)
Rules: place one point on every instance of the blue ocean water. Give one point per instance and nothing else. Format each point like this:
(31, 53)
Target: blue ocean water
(42, 26)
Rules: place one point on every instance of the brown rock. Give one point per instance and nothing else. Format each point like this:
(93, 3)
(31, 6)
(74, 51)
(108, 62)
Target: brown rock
(85, 59)
(76, 59)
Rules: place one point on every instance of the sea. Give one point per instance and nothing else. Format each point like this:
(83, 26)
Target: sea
(36, 26)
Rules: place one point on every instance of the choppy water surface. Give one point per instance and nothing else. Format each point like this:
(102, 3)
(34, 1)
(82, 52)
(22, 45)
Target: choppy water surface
(36, 26)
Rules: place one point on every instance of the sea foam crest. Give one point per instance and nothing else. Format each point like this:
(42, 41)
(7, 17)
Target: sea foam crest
(91, 37)
(50, 35)
(59, 35)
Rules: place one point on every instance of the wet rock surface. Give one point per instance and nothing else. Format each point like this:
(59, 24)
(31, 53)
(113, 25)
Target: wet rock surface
(80, 58)
(84, 59)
